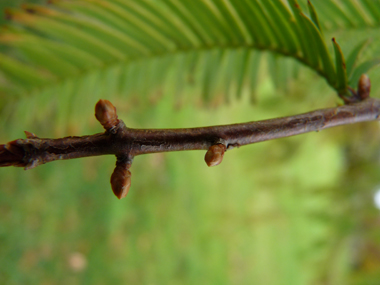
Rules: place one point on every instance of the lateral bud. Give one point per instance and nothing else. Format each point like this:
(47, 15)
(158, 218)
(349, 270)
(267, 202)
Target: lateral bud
(364, 86)
(105, 113)
(121, 180)
(215, 153)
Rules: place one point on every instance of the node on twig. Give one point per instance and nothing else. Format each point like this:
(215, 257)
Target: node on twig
(105, 113)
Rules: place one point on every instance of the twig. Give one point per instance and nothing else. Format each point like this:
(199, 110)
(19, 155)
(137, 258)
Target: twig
(126, 143)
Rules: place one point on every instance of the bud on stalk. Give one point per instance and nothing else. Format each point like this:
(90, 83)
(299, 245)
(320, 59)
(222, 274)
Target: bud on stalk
(364, 87)
(215, 153)
(121, 181)
(105, 113)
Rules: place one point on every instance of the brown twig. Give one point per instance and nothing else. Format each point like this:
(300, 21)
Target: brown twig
(126, 143)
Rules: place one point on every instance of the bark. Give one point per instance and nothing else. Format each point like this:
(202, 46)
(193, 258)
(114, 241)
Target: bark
(126, 143)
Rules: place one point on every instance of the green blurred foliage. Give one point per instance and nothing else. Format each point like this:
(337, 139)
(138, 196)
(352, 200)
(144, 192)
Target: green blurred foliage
(292, 211)
(4, 4)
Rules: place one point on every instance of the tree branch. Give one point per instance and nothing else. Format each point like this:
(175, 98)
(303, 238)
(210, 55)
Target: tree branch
(126, 143)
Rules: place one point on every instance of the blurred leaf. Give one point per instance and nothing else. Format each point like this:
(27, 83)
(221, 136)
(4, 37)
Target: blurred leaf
(354, 56)
(347, 14)
(362, 69)
(340, 69)
(313, 15)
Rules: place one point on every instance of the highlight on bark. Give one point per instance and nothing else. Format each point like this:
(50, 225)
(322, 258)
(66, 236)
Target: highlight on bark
(214, 155)
(106, 114)
(364, 86)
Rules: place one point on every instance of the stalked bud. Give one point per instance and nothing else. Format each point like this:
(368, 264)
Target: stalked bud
(105, 113)
(214, 155)
(364, 86)
(121, 181)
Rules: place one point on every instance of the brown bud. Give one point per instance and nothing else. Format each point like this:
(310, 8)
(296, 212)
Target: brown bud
(364, 86)
(105, 113)
(214, 155)
(121, 181)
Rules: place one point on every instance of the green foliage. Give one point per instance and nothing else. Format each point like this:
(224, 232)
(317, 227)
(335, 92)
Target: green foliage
(46, 46)
(341, 74)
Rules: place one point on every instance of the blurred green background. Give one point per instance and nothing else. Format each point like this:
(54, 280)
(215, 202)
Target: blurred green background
(297, 210)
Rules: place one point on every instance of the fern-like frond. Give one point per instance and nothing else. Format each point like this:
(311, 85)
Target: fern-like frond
(346, 14)
(359, 17)
(104, 33)
(141, 47)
